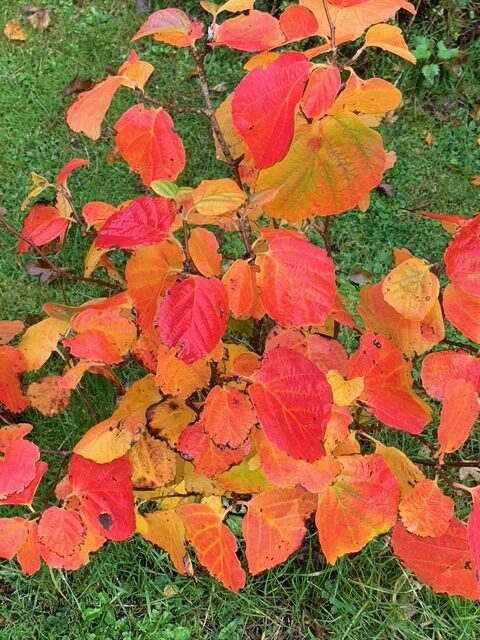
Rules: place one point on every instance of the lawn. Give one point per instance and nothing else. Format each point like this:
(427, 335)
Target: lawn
(130, 591)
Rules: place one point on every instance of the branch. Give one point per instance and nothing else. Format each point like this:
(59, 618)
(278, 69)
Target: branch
(332, 29)
(59, 272)
(170, 107)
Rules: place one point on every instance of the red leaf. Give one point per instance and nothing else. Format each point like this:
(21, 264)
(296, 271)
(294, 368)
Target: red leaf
(18, 469)
(12, 365)
(441, 367)
(26, 496)
(473, 531)
(443, 563)
(105, 494)
(147, 142)
(462, 258)
(193, 316)
(274, 526)
(322, 89)
(256, 31)
(426, 510)
(294, 402)
(459, 413)
(298, 23)
(13, 534)
(289, 261)
(172, 26)
(145, 221)
(463, 311)
(264, 106)
(227, 417)
(43, 224)
(388, 384)
(214, 544)
(68, 169)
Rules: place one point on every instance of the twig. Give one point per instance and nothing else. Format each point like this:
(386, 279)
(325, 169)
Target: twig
(462, 345)
(332, 29)
(171, 107)
(59, 272)
(457, 464)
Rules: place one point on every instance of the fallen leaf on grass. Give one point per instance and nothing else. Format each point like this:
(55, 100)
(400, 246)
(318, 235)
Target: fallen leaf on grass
(429, 140)
(39, 17)
(14, 30)
(475, 180)
(77, 85)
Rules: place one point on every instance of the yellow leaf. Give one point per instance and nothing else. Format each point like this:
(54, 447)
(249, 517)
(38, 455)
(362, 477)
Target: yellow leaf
(40, 340)
(411, 289)
(217, 197)
(153, 463)
(407, 473)
(345, 392)
(389, 38)
(39, 184)
(14, 30)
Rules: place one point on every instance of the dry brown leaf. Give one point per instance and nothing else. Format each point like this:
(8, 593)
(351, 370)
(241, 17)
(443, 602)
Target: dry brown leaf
(39, 17)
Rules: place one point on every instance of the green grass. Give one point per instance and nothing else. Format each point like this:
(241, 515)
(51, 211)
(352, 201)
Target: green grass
(130, 590)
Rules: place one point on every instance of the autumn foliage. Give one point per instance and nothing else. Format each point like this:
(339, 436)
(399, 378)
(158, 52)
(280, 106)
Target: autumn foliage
(248, 402)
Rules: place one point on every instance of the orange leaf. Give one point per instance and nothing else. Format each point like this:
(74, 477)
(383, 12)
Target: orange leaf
(322, 89)
(165, 529)
(61, 531)
(361, 504)
(204, 251)
(86, 114)
(426, 510)
(28, 555)
(411, 289)
(330, 166)
(444, 563)
(18, 462)
(13, 534)
(243, 294)
(166, 420)
(473, 531)
(459, 413)
(407, 473)
(293, 401)
(291, 259)
(274, 526)
(172, 26)
(149, 274)
(388, 384)
(443, 366)
(147, 142)
(214, 543)
(9, 329)
(26, 496)
(463, 311)
(176, 378)
(43, 224)
(13, 30)
(298, 23)
(227, 417)
(390, 38)
(374, 96)
(193, 316)
(255, 31)
(97, 213)
(48, 396)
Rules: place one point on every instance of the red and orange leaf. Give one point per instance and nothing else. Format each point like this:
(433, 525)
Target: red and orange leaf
(136, 72)
(12, 365)
(227, 416)
(40, 340)
(361, 504)
(43, 224)
(462, 258)
(444, 563)
(171, 26)
(463, 311)
(86, 114)
(147, 142)
(13, 534)
(112, 438)
(247, 477)
(473, 531)
(242, 290)
(165, 529)
(326, 353)
(18, 466)
(93, 346)
(48, 396)
(14, 432)
(105, 495)
(459, 413)
(96, 213)
(293, 401)
(372, 97)
(352, 17)
(332, 164)
(409, 335)
(441, 367)
(193, 316)
(388, 384)
(407, 473)
(144, 221)
(322, 89)
(411, 289)
(166, 420)
(62, 531)
(264, 105)
(289, 260)
(255, 31)
(149, 273)
(274, 526)
(390, 38)
(9, 329)
(214, 544)
(204, 251)
(28, 555)
(27, 495)
(426, 510)
(68, 169)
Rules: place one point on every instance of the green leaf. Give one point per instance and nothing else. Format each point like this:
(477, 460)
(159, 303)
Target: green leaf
(423, 49)
(430, 72)
(444, 53)
(165, 189)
